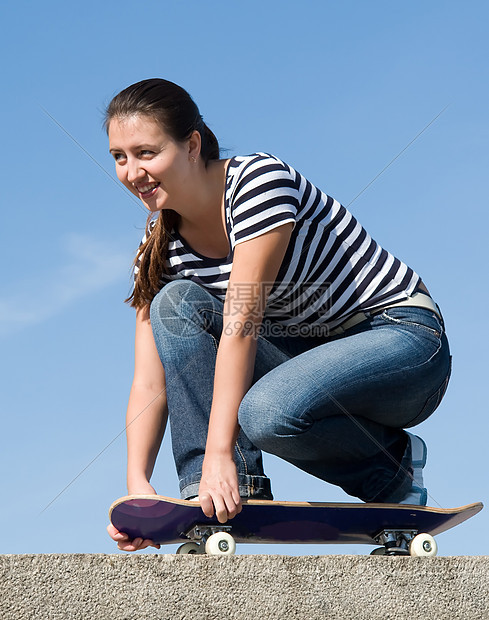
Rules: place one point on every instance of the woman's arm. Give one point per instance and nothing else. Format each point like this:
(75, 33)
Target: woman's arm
(255, 266)
(147, 410)
(146, 419)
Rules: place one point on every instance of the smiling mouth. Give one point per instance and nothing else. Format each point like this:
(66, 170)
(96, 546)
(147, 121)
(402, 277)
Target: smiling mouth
(145, 191)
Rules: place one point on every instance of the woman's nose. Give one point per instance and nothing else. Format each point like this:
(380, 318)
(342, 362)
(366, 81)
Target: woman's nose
(134, 171)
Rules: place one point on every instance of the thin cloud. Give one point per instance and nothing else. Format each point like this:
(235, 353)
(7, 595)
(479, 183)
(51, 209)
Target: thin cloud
(84, 265)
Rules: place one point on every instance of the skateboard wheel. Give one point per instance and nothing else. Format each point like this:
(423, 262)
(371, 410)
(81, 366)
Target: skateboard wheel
(378, 551)
(423, 545)
(189, 548)
(220, 543)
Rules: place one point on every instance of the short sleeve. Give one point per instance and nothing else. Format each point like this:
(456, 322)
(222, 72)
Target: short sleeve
(265, 195)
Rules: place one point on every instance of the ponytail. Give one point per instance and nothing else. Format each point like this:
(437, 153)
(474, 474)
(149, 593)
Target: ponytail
(210, 145)
(151, 259)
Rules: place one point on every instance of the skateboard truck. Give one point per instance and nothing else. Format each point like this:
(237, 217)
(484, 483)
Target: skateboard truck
(405, 542)
(210, 539)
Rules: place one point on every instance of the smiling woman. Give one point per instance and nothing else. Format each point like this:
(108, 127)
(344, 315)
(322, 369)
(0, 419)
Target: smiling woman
(156, 134)
(267, 318)
(149, 162)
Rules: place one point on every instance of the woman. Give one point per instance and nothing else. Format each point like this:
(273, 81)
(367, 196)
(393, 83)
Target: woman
(266, 319)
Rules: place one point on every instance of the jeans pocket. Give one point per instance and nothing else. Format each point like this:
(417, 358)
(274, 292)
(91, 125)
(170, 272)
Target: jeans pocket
(433, 401)
(415, 318)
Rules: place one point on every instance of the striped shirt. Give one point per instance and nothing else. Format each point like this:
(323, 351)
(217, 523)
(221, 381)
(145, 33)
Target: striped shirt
(332, 267)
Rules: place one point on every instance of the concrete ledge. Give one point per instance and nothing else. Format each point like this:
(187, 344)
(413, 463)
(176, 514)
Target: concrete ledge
(112, 587)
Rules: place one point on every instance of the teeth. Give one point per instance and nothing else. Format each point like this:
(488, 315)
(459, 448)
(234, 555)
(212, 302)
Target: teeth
(144, 189)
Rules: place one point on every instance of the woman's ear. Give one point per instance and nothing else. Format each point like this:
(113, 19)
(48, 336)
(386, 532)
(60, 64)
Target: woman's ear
(194, 145)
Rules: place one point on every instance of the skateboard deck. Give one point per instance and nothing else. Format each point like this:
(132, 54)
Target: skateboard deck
(166, 520)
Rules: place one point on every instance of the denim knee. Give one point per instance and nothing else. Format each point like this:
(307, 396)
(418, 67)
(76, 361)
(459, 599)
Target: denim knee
(168, 301)
(187, 302)
(262, 420)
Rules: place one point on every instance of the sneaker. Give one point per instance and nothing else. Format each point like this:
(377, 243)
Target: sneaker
(418, 494)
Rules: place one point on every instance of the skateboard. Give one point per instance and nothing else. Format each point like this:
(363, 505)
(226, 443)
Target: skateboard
(400, 529)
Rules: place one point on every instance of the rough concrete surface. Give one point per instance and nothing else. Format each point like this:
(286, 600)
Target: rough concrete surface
(113, 587)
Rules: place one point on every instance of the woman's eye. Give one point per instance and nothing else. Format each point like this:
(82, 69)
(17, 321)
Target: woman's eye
(147, 153)
(118, 156)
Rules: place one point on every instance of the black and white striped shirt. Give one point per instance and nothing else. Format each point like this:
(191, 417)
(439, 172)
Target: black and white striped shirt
(332, 267)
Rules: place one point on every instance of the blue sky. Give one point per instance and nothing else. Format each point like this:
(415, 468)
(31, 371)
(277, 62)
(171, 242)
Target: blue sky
(335, 89)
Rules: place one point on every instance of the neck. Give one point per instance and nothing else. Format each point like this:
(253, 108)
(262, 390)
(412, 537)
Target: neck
(204, 207)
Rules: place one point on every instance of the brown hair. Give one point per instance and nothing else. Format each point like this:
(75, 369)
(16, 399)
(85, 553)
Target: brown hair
(174, 109)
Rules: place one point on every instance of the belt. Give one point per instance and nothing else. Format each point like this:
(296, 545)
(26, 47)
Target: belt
(418, 300)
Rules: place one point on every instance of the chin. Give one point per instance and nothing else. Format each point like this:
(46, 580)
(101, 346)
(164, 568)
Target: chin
(153, 206)
(156, 204)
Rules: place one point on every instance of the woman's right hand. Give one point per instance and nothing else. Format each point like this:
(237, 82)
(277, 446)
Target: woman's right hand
(124, 543)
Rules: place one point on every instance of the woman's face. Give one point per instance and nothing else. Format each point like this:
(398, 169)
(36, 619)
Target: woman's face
(149, 163)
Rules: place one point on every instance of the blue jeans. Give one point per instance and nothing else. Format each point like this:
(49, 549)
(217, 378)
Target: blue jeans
(334, 407)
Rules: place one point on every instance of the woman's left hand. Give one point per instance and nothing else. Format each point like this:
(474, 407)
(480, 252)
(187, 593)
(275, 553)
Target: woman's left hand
(219, 490)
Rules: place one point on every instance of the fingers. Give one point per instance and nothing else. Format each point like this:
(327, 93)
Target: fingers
(219, 489)
(115, 534)
(233, 505)
(206, 504)
(237, 502)
(138, 544)
(221, 509)
(225, 505)
(124, 543)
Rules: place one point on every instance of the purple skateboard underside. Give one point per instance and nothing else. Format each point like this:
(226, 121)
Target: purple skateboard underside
(165, 522)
